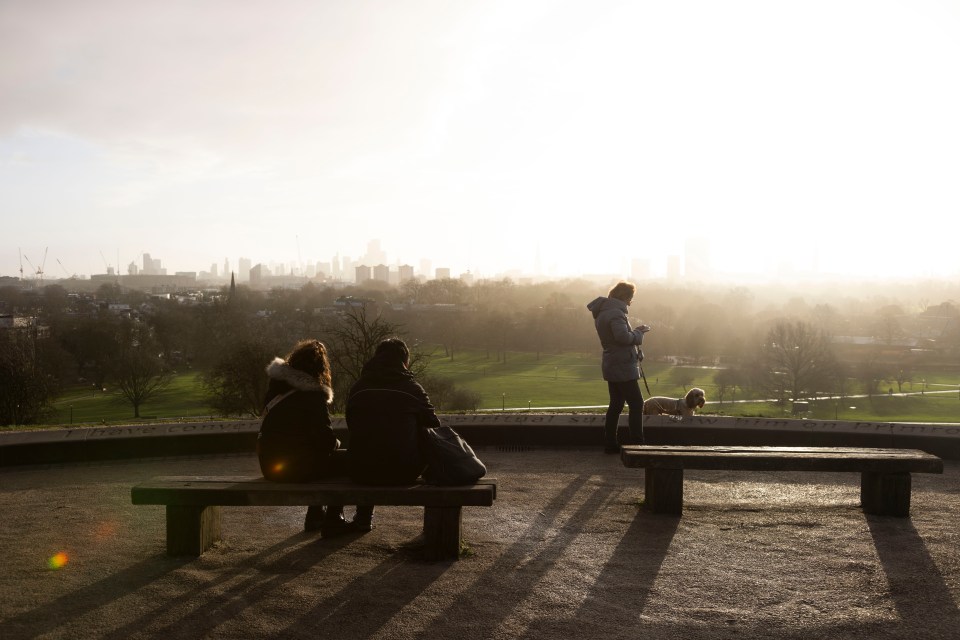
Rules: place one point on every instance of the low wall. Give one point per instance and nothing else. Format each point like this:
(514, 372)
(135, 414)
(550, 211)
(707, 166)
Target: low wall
(481, 430)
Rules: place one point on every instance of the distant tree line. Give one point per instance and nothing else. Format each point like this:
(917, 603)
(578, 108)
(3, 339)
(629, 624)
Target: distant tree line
(768, 340)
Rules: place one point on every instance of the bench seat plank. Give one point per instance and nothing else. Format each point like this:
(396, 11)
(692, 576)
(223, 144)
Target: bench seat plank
(781, 459)
(193, 505)
(239, 491)
(885, 481)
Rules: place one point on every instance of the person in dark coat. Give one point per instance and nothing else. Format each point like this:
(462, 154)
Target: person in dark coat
(386, 412)
(620, 364)
(296, 442)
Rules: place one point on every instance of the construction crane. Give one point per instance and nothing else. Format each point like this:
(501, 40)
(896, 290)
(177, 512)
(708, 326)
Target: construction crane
(65, 270)
(38, 272)
(105, 264)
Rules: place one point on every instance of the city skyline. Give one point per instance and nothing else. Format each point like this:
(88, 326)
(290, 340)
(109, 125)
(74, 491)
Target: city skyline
(814, 139)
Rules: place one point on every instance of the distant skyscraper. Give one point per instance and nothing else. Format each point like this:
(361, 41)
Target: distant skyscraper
(405, 273)
(226, 267)
(244, 275)
(375, 255)
(673, 268)
(697, 259)
(213, 270)
(639, 269)
(442, 273)
(258, 273)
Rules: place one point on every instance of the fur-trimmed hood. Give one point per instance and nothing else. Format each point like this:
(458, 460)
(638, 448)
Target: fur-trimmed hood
(283, 372)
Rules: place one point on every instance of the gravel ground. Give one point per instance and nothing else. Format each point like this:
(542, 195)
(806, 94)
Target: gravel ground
(564, 553)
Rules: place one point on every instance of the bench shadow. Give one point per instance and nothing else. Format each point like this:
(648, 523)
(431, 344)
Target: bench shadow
(524, 564)
(917, 586)
(200, 611)
(620, 592)
(380, 593)
(79, 602)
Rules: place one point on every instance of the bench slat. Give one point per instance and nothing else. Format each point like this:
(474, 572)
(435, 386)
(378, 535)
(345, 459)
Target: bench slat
(781, 459)
(247, 491)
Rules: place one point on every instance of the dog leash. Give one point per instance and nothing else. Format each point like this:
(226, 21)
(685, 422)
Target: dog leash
(644, 378)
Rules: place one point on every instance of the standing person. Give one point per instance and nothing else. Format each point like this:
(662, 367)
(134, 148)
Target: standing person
(621, 361)
(296, 442)
(386, 411)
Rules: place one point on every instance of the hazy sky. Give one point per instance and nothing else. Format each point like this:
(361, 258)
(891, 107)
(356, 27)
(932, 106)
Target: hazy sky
(482, 133)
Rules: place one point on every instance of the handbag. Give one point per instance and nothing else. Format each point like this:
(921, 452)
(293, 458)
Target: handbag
(450, 460)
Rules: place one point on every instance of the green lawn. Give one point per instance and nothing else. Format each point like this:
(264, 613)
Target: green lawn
(183, 397)
(523, 381)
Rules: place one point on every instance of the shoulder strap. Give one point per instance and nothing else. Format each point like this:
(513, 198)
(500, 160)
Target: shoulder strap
(276, 400)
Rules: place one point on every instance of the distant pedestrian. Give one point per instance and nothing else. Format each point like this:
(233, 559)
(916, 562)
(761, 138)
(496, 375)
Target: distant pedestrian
(621, 361)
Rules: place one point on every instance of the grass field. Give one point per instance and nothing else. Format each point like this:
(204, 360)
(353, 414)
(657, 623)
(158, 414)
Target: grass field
(183, 397)
(524, 381)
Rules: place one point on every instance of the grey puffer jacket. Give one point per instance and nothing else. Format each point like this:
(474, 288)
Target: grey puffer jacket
(619, 341)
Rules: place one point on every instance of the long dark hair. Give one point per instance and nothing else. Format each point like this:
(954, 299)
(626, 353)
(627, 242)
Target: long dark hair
(310, 356)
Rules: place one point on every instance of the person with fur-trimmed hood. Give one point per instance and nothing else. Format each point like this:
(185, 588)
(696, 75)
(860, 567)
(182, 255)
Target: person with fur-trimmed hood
(296, 442)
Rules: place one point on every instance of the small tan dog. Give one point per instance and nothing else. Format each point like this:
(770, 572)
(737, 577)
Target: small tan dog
(685, 406)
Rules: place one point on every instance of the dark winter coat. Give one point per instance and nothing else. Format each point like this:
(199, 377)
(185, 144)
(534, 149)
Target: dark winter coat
(296, 439)
(386, 412)
(620, 342)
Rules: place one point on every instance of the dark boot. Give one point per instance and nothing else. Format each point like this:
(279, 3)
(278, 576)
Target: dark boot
(314, 519)
(363, 520)
(334, 523)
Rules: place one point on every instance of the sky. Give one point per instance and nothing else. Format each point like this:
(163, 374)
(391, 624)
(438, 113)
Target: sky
(804, 137)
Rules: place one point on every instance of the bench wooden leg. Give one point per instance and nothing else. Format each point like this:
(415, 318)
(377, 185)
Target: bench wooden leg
(191, 530)
(885, 494)
(663, 490)
(441, 532)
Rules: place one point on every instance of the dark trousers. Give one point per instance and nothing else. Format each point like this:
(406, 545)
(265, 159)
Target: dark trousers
(624, 393)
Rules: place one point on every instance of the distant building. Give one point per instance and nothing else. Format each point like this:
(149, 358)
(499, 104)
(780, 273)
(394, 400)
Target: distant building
(405, 273)
(244, 274)
(673, 268)
(639, 269)
(362, 274)
(442, 273)
(258, 273)
(152, 267)
(381, 273)
(696, 259)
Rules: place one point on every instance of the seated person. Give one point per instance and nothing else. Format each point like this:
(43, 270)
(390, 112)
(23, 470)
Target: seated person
(386, 411)
(296, 442)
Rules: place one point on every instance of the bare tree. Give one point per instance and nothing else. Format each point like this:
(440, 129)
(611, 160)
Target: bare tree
(798, 360)
(237, 382)
(140, 371)
(354, 337)
(26, 388)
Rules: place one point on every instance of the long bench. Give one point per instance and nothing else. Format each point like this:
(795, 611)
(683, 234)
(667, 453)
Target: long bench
(884, 473)
(193, 505)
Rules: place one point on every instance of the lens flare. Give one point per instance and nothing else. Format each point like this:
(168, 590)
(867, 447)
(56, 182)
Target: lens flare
(277, 468)
(57, 560)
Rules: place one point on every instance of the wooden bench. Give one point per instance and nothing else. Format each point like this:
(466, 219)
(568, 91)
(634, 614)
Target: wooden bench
(193, 505)
(884, 473)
